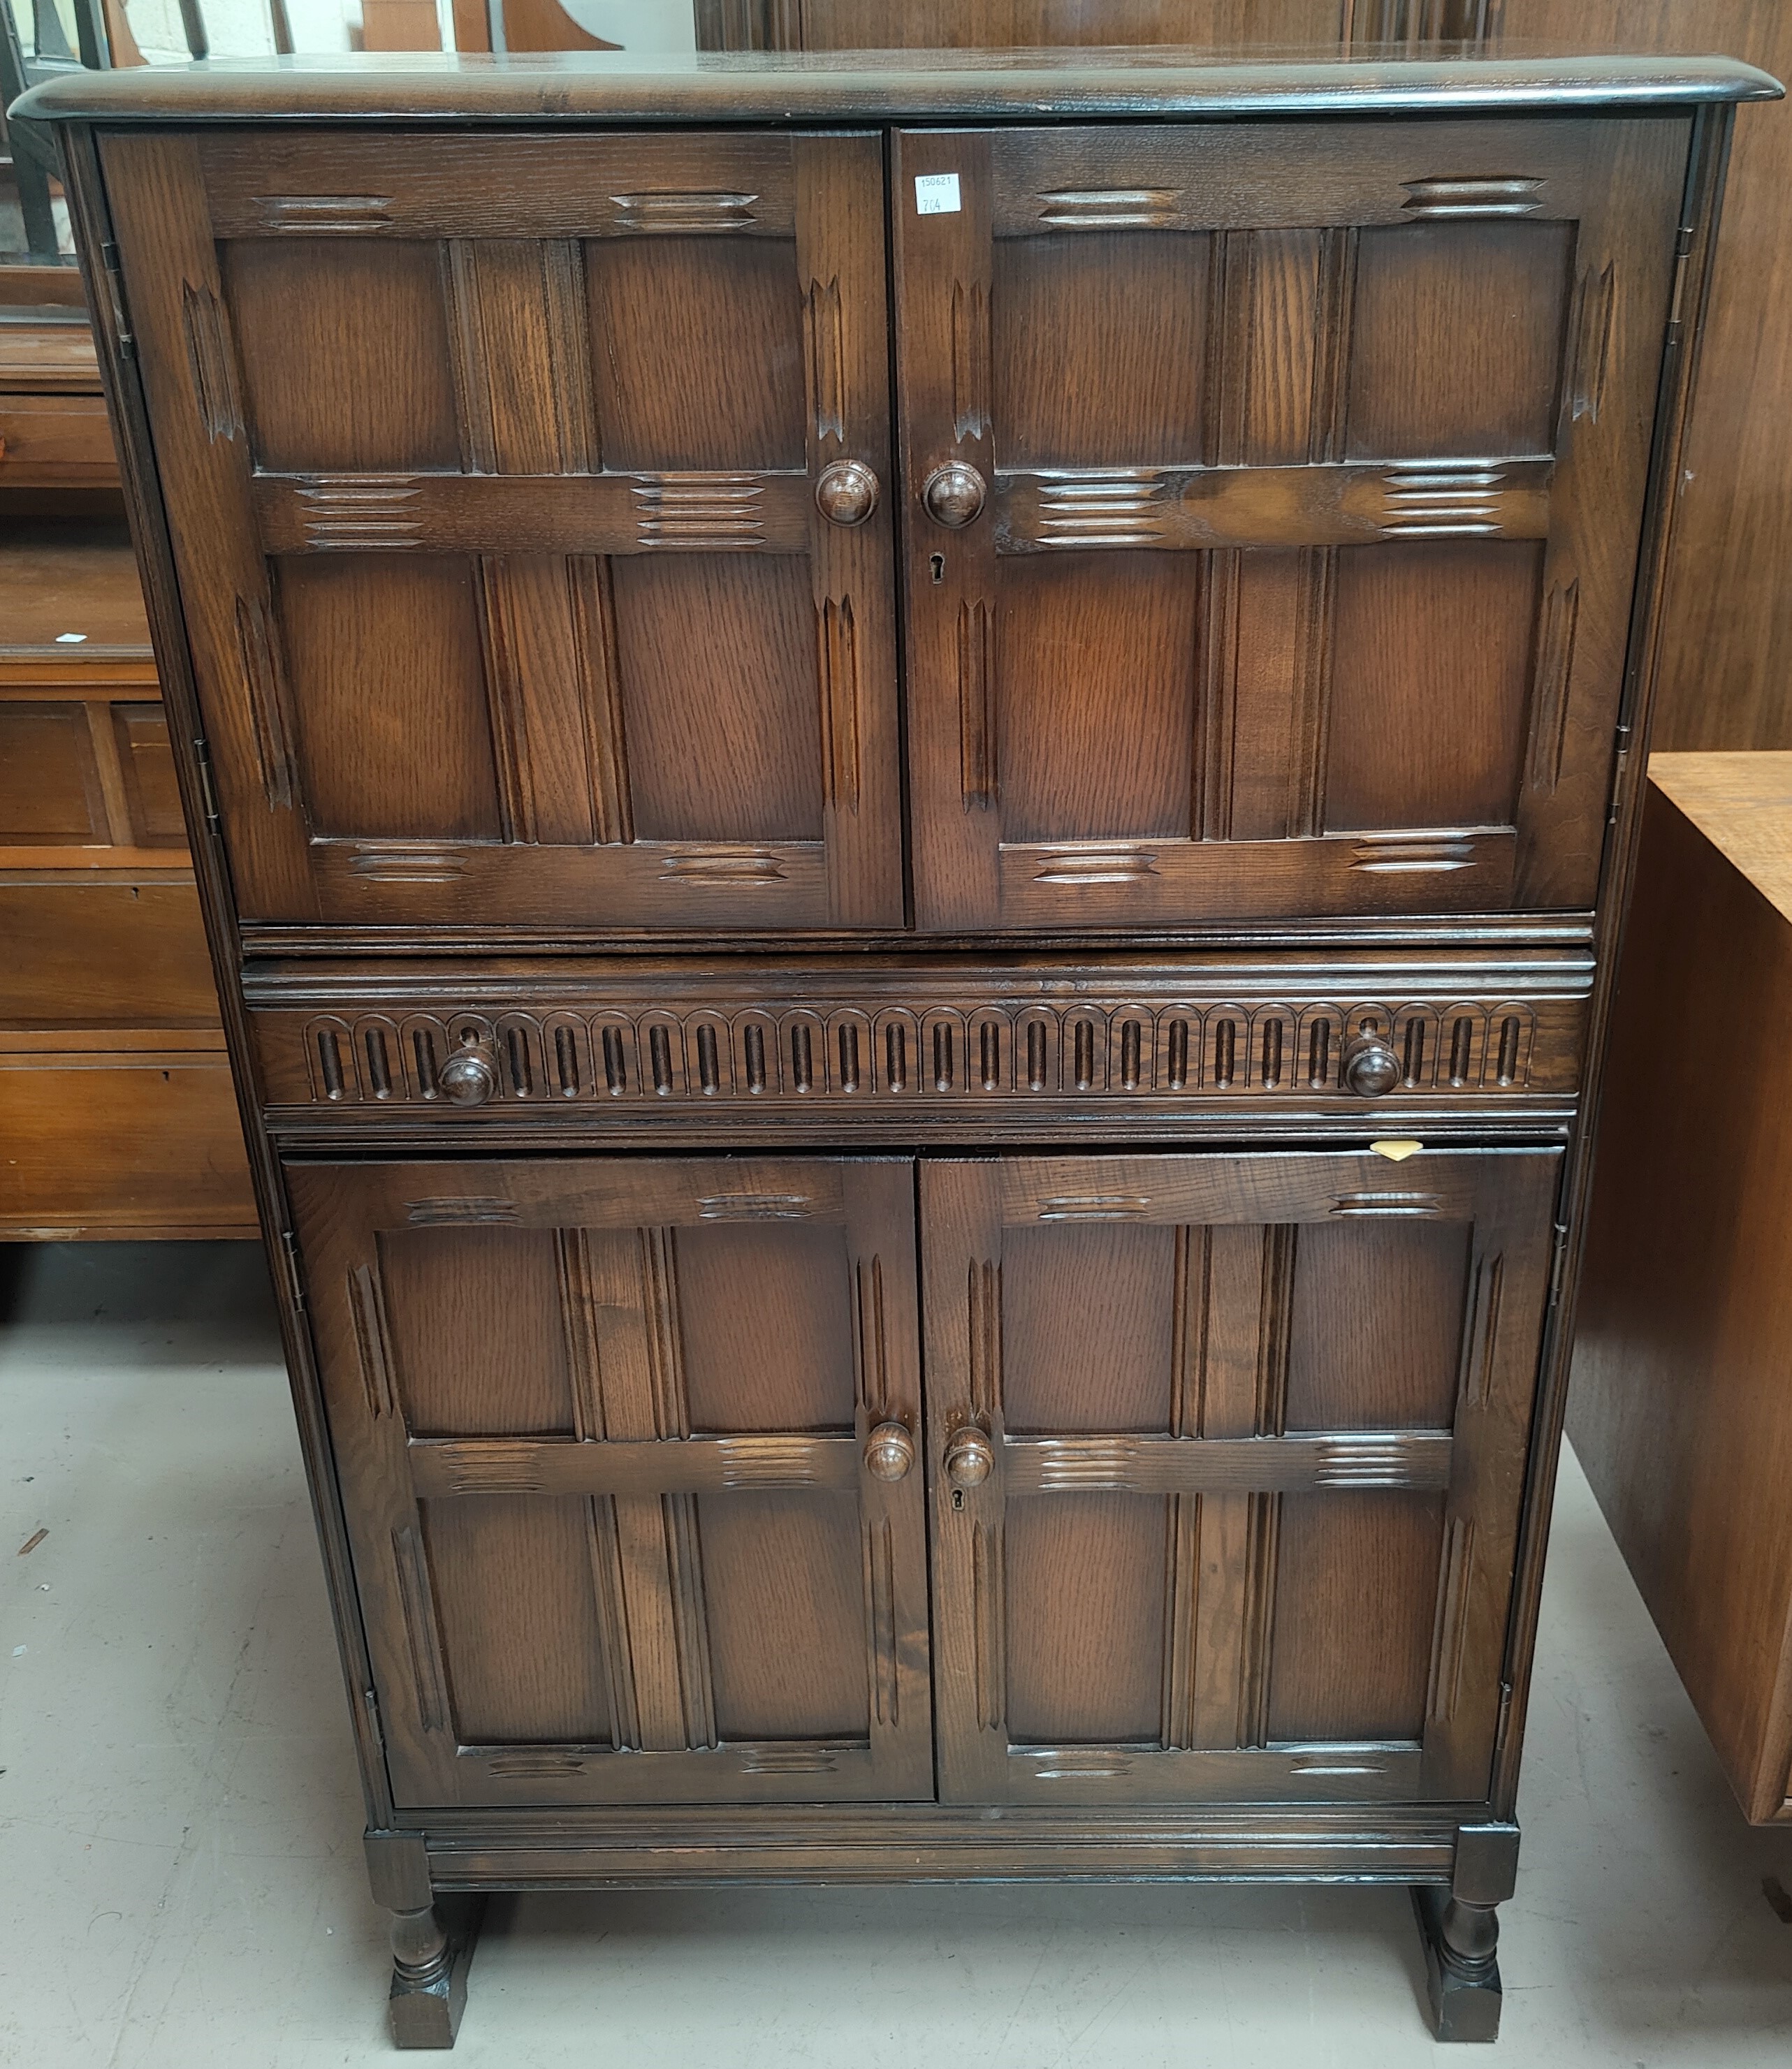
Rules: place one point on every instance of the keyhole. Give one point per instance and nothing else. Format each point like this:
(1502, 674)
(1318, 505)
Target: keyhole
(938, 565)
(958, 1497)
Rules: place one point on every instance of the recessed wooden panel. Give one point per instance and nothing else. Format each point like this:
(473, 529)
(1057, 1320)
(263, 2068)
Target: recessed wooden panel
(717, 655)
(1429, 685)
(784, 1588)
(1458, 338)
(697, 349)
(151, 792)
(1085, 1619)
(1098, 349)
(767, 1328)
(1088, 1320)
(86, 947)
(1356, 1596)
(1375, 1334)
(1094, 693)
(342, 349)
(49, 788)
(516, 1607)
(383, 659)
(477, 1336)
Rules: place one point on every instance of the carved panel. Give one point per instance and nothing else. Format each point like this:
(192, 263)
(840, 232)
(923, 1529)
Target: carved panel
(838, 1051)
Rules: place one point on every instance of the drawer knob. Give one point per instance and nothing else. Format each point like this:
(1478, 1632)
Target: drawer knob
(890, 1452)
(953, 495)
(969, 1457)
(1370, 1066)
(467, 1079)
(846, 493)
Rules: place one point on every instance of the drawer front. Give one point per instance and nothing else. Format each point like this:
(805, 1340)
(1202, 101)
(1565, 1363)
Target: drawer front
(141, 1143)
(55, 442)
(630, 1450)
(663, 1046)
(80, 769)
(104, 950)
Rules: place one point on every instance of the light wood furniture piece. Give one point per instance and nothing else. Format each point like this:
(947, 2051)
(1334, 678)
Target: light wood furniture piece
(1680, 1408)
(118, 1117)
(964, 1278)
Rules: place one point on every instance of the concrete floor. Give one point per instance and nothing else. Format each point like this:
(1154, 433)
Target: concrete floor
(181, 1880)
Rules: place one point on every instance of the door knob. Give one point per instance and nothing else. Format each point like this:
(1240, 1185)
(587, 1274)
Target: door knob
(846, 493)
(889, 1452)
(969, 1457)
(1370, 1066)
(467, 1077)
(954, 494)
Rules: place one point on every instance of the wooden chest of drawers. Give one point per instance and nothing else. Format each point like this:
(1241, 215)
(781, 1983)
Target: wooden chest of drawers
(921, 783)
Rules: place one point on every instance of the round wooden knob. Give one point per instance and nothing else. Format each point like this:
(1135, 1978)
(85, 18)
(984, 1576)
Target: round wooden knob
(969, 1457)
(467, 1077)
(954, 494)
(1370, 1066)
(846, 493)
(889, 1452)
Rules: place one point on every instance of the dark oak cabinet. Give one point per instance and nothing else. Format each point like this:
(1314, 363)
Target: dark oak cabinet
(913, 783)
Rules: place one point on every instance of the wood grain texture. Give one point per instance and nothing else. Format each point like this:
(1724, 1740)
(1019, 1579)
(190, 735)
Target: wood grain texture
(1675, 1407)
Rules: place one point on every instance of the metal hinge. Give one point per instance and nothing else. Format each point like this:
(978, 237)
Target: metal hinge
(1682, 254)
(111, 267)
(296, 1287)
(1558, 1264)
(1620, 770)
(372, 1702)
(208, 789)
(1505, 1724)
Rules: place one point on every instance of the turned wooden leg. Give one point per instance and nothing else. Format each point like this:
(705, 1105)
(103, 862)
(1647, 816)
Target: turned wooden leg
(432, 1950)
(1462, 1967)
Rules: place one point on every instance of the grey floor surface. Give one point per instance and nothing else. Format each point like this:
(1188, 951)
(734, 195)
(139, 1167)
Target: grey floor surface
(181, 1880)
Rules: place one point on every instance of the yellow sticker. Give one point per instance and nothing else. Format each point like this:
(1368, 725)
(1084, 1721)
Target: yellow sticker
(1395, 1153)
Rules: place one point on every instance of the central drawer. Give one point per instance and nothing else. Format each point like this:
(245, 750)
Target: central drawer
(655, 1043)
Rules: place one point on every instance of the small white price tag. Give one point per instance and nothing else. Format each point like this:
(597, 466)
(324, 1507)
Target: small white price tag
(936, 193)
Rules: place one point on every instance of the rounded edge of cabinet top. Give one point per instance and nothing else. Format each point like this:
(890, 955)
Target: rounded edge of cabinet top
(1035, 85)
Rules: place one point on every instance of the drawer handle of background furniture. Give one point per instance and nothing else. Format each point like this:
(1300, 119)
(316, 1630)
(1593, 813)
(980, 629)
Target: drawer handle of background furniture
(467, 1077)
(953, 495)
(1370, 1066)
(846, 493)
(889, 1452)
(969, 1457)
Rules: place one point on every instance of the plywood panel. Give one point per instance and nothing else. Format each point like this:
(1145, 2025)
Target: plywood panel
(1377, 1324)
(1095, 676)
(1355, 1606)
(1430, 680)
(1457, 337)
(477, 1336)
(1098, 349)
(784, 1596)
(697, 349)
(343, 351)
(511, 1579)
(383, 657)
(1085, 1619)
(766, 1326)
(1088, 1317)
(717, 655)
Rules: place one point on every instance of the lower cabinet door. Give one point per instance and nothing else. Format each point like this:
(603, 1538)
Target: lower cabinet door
(1227, 1455)
(630, 1453)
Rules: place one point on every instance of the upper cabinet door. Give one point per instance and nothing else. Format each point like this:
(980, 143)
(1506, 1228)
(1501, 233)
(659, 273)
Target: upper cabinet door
(530, 503)
(1273, 502)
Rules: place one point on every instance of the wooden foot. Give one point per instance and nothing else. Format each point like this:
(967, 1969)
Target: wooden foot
(1462, 1970)
(432, 1950)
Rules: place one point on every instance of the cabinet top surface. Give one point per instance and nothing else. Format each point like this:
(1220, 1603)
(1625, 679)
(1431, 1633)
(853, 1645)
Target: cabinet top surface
(1742, 803)
(586, 87)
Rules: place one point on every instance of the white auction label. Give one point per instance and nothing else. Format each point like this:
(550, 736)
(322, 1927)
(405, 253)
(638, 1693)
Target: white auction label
(936, 193)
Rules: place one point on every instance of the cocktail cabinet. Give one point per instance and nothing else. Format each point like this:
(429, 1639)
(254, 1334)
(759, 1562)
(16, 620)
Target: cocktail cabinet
(912, 779)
